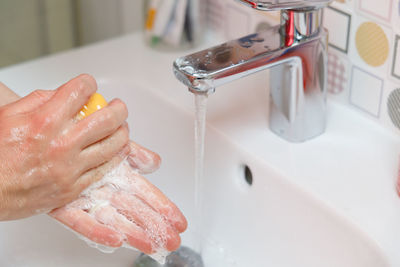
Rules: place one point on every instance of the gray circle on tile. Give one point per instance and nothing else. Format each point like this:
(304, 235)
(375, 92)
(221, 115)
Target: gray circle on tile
(393, 105)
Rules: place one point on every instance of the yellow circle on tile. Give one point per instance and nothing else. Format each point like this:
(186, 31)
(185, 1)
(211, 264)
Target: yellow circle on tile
(372, 44)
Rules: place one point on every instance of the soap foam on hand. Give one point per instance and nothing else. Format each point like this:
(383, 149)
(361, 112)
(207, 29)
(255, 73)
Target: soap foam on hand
(105, 199)
(123, 209)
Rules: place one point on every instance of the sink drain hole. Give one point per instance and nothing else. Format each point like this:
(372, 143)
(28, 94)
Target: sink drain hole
(248, 176)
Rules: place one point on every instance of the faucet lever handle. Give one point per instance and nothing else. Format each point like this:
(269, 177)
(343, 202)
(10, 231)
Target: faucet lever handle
(285, 4)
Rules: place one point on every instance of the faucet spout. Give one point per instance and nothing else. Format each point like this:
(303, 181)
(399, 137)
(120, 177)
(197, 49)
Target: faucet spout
(229, 61)
(295, 53)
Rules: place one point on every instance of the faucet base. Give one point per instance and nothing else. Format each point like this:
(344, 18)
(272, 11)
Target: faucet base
(297, 100)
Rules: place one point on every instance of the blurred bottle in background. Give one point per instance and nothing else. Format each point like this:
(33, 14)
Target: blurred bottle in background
(174, 24)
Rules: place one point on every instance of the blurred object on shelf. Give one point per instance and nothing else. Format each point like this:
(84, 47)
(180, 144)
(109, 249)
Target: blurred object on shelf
(174, 24)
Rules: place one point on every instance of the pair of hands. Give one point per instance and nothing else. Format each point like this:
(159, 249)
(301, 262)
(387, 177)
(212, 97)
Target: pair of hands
(47, 158)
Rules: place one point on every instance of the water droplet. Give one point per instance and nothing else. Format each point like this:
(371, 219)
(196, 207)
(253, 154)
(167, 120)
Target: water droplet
(188, 69)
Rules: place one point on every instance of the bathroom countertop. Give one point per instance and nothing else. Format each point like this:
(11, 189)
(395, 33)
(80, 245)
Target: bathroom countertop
(352, 167)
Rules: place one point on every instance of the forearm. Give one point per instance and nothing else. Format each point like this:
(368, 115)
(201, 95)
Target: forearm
(7, 95)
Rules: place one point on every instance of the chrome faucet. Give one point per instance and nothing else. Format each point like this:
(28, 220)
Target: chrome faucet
(295, 53)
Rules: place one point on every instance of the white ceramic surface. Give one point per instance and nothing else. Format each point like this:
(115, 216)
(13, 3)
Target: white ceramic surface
(327, 202)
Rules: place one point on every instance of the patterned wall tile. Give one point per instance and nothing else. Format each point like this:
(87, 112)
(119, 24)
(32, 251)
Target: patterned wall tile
(396, 58)
(338, 24)
(366, 91)
(381, 9)
(337, 74)
(396, 17)
(393, 107)
(372, 44)
(385, 119)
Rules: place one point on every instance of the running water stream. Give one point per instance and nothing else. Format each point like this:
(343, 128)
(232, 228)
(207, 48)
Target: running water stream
(185, 256)
(199, 137)
(201, 245)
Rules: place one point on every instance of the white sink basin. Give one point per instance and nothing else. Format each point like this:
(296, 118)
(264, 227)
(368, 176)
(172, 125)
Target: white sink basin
(306, 205)
(270, 223)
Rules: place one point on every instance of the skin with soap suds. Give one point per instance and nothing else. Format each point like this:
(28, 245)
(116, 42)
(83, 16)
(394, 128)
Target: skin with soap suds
(47, 158)
(152, 225)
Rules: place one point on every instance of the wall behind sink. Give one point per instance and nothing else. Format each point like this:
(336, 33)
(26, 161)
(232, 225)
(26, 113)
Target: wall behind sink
(34, 28)
(364, 50)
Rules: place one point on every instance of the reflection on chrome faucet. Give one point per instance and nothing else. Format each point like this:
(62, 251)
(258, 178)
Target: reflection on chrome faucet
(295, 51)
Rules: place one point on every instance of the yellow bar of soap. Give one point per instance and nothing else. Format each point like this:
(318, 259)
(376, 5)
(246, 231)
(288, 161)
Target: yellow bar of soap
(96, 102)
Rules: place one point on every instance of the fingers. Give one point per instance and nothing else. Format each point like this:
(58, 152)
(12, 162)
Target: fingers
(140, 213)
(34, 100)
(142, 225)
(95, 174)
(70, 97)
(157, 200)
(142, 159)
(83, 223)
(135, 236)
(161, 232)
(100, 124)
(30, 102)
(100, 152)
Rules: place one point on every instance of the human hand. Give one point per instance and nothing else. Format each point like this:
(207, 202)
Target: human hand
(126, 208)
(47, 158)
(144, 161)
